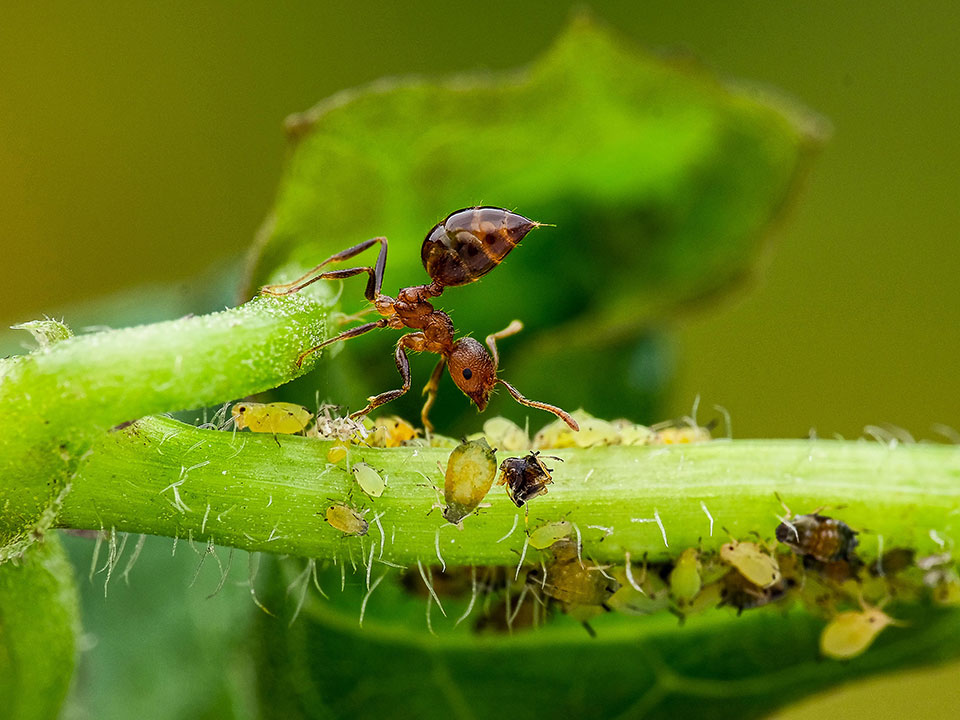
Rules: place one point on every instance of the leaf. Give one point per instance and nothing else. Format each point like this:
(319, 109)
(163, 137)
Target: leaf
(661, 179)
(716, 666)
(39, 623)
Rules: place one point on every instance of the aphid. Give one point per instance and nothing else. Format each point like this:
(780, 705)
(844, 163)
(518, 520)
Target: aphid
(571, 583)
(281, 418)
(591, 432)
(680, 432)
(461, 249)
(685, 580)
(346, 520)
(817, 536)
(546, 535)
(471, 469)
(506, 435)
(852, 632)
(743, 594)
(751, 562)
(390, 431)
(336, 453)
(368, 479)
(525, 477)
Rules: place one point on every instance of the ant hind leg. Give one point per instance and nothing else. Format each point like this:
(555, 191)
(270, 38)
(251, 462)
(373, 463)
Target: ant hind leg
(374, 282)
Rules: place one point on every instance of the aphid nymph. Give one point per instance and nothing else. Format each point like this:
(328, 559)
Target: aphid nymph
(278, 418)
(346, 520)
(459, 250)
(369, 480)
(850, 633)
(525, 477)
(748, 559)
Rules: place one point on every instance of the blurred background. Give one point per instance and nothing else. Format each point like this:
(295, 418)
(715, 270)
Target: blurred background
(140, 149)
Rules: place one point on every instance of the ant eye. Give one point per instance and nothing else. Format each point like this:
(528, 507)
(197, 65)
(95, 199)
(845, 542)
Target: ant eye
(467, 373)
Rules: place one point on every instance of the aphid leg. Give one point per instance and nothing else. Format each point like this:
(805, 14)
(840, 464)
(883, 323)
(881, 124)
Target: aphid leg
(311, 276)
(346, 335)
(512, 329)
(430, 390)
(562, 414)
(411, 341)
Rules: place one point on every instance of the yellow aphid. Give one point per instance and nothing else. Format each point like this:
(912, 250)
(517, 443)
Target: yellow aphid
(546, 535)
(680, 435)
(347, 520)
(593, 432)
(852, 632)
(631, 433)
(506, 435)
(390, 431)
(336, 453)
(368, 479)
(655, 595)
(752, 562)
(471, 469)
(571, 583)
(278, 418)
(685, 580)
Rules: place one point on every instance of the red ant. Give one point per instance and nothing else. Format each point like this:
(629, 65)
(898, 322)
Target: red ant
(461, 249)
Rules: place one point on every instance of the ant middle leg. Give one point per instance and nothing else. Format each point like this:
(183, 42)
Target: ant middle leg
(374, 282)
(512, 329)
(430, 390)
(411, 341)
(346, 335)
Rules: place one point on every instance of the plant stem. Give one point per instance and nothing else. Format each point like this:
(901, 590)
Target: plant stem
(55, 402)
(260, 493)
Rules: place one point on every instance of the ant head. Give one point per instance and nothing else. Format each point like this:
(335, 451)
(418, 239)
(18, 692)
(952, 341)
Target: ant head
(472, 369)
(470, 243)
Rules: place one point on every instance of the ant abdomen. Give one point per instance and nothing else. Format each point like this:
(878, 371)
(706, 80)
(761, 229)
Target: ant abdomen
(469, 243)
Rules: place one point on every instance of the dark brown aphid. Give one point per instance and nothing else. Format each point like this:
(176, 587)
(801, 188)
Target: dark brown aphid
(525, 477)
(819, 537)
(463, 248)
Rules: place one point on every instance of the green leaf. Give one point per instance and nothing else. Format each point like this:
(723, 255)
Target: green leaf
(661, 179)
(717, 665)
(39, 624)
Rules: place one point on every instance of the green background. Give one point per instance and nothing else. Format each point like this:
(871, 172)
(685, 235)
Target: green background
(141, 145)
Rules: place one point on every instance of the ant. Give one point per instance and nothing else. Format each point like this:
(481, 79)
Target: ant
(461, 249)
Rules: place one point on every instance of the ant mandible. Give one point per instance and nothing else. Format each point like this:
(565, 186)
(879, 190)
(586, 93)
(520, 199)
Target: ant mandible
(461, 249)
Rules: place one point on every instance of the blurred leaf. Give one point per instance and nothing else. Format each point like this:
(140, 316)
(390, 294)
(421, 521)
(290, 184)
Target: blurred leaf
(717, 665)
(39, 622)
(660, 178)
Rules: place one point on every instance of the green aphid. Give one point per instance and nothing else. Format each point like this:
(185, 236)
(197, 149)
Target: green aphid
(369, 480)
(685, 578)
(546, 535)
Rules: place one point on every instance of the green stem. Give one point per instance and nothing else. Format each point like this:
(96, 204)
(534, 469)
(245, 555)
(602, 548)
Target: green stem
(55, 402)
(245, 490)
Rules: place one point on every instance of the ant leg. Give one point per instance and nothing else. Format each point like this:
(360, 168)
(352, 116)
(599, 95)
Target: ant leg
(430, 390)
(412, 341)
(346, 335)
(563, 415)
(290, 288)
(511, 329)
(310, 277)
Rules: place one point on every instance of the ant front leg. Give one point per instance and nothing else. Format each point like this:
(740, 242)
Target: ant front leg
(346, 335)
(562, 414)
(511, 329)
(430, 390)
(374, 282)
(412, 341)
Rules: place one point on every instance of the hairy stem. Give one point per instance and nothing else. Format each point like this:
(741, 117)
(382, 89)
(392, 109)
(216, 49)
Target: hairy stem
(244, 490)
(57, 401)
